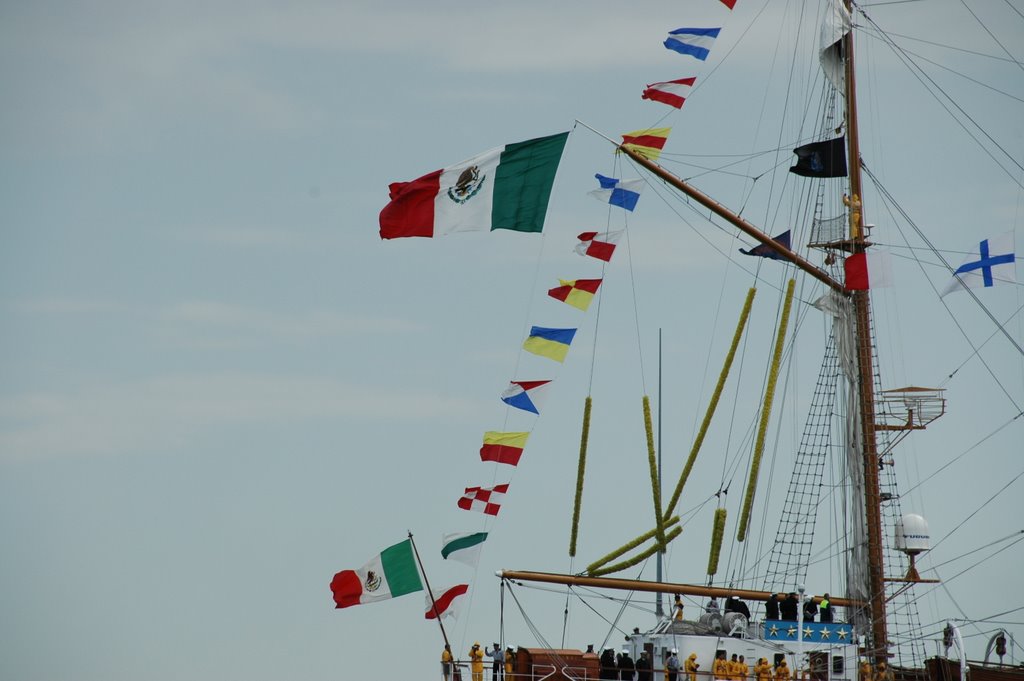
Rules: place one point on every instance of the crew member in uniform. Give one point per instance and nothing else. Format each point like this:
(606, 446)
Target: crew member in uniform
(476, 662)
(643, 667)
(782, 671)
(446, 662)
(692, 666)
(825, 609)
(720, 669)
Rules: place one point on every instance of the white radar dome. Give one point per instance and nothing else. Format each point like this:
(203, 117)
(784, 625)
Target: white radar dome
(912, 534)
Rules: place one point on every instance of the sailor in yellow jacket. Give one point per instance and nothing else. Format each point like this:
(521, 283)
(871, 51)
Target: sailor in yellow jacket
(866, 672)
(782, 672)
(692, 666)
(476, 659)
(734, 668)
(763, 670)
(677, 609)
(742, 669)
(720, 669)
(446, 662)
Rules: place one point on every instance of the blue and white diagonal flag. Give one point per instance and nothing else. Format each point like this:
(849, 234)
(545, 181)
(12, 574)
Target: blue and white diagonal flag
(994, 262)
(695, 42)
(622, 193)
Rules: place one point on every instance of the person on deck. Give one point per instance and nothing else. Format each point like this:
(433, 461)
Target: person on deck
(790, 607)
(763, 670)
(446, 662)
(771, 608)
(825, 609)
(672, 665)
(882, 672)
(608, 668)
(865, 672)
(626, 666)
(720, 669)
(712, 607)
(692, 667)
(733, 604)
(810, 609)
(643, 667)
(476, 662)
(734, 668)
(742, 669)
(677, 609)
(782, 671)
(497, 662)
(510, 663)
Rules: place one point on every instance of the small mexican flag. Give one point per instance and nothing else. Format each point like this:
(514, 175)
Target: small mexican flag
(504, 188)
(390, 574)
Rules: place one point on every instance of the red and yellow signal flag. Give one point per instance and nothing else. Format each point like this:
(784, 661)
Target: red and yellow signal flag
(579, 292)
(648, 143)
(503, 447)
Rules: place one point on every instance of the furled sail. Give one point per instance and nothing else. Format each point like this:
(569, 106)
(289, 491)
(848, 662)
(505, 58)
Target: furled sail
(858, 582)
(834, 27)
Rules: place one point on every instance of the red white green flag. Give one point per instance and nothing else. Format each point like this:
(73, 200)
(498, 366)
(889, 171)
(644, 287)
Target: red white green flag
(504, 188)
(390, 574)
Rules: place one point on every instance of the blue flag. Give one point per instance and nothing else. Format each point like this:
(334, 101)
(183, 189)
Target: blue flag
(525, 395)
(621, 193)
(765, 252)
(550, 343)
(695, 42)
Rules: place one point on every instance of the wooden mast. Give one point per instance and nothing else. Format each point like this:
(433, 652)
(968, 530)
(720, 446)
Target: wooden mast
(879, 649)
(862, 319)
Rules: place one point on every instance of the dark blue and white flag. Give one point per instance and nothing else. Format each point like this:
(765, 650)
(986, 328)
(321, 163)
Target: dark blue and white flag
(621, 193)
(767, 252)
(695, 42)
(994, 262)
(526, 395)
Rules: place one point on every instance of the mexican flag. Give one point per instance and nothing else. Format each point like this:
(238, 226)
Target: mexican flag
(390, 574)
(504, 188)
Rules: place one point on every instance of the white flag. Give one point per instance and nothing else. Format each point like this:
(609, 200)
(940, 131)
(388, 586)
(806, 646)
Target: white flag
(447, 602)
(463, 547)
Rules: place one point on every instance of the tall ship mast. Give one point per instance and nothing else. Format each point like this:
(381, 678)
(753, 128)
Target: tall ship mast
(807, 520)
(870, 588)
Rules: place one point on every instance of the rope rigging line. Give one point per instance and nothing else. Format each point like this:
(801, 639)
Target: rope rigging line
(864, 29)
(921, 76)
(977, 510)
(931, 247)
(538, 636)
(992, 35)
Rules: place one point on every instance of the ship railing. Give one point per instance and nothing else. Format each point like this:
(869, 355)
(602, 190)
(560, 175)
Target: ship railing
(540, 672)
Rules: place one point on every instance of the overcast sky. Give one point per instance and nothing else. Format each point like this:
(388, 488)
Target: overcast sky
(220, 387)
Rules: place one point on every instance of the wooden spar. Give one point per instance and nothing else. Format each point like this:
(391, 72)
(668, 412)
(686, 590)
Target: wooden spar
(654, 587)
(736, 220)
(862, 308)
(433, 603)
